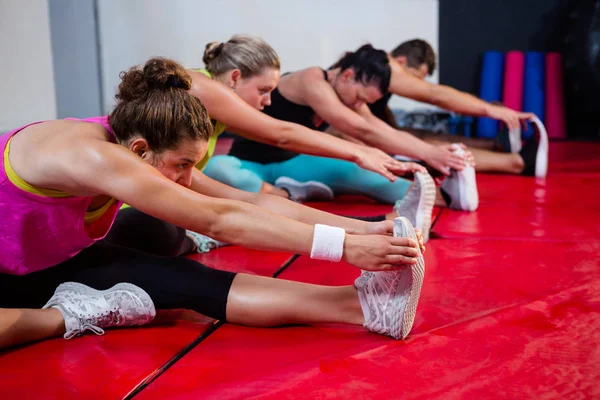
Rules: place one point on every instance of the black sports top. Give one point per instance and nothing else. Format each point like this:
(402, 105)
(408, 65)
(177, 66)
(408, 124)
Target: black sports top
(283, 109)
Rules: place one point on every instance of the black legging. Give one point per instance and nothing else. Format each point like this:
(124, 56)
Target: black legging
(140, 231)
(171, 282)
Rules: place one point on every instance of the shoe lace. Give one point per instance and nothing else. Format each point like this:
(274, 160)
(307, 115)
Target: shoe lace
(97, 321)
(203, 243)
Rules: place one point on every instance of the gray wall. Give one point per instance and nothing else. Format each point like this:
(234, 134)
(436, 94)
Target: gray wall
(27, 86)
(73, 26)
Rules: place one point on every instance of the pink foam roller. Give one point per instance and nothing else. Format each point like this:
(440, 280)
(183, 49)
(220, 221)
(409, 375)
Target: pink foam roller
(555, 104)
(514, 68)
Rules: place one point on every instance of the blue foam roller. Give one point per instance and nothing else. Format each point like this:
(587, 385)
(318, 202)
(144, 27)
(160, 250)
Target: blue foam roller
(492, 71)
(468, 121)
(533, 87)
(453, 121)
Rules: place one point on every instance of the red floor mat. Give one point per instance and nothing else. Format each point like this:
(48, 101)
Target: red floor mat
(564, 209)
(579, 157)
(544, 349)
(110, 366)
(510, 309)
(564, 191)
(530, 287)
(92, 367)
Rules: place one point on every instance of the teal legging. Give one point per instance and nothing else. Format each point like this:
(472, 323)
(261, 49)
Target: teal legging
(343, 177)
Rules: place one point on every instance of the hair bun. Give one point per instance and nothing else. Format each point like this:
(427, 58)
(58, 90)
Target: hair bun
(157, 74)
(162, 73)
(212, 51)
(174, 82)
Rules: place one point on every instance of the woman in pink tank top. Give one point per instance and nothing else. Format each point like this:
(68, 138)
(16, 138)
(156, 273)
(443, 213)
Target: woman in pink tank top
(61, 183)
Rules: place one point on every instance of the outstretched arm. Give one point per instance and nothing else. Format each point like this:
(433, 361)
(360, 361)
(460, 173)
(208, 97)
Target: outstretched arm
(362, 125)
(440, 157)
(406, 85)
(144, 188)
(225, 106)
(209, 187)
(109, 169)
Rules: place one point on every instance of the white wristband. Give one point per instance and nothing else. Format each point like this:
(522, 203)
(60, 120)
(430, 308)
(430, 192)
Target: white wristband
(328, 243)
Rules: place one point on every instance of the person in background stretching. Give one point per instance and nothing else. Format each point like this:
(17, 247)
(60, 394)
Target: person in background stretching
(317, 99)
(237, 83)
(414, 60)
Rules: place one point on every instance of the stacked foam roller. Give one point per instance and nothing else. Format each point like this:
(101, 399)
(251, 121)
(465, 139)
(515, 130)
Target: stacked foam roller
(530, 82)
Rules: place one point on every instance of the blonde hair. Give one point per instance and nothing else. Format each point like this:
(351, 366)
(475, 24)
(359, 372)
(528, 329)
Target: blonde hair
(249, 54)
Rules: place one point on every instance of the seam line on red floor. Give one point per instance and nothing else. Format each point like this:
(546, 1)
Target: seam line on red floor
(163, 368)
(216, 325)
(437, 217)
(286, 265)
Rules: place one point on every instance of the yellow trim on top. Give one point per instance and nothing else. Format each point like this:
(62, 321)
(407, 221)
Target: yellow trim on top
(21, 184)
(93, 216)
(218, 128)
(90, 216)
(203, 71)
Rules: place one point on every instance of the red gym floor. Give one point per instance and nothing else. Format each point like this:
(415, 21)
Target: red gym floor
(510, 309)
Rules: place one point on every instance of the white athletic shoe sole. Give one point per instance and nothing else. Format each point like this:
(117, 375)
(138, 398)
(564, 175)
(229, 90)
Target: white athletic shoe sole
(403, 228)
(426, 202)
(514, 137)
(541, 160)
(469, 196)
(421, 217)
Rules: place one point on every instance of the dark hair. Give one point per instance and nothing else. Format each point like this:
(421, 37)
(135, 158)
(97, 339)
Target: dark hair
(153, 102)
(249, 54)
(417, 53)
(371, 66)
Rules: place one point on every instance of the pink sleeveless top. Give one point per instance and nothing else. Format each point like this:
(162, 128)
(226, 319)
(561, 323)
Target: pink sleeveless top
(39, 232)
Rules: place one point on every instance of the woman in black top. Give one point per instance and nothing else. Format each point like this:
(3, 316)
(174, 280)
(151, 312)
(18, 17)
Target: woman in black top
(338, 98)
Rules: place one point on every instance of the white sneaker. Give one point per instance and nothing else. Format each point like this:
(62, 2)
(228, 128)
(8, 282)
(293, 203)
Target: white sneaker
(417, 204)
(203, 243)
(389, 298)
(541, 159)
(514, 137)
(84, 308)
(461, 186)
(304, 191)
